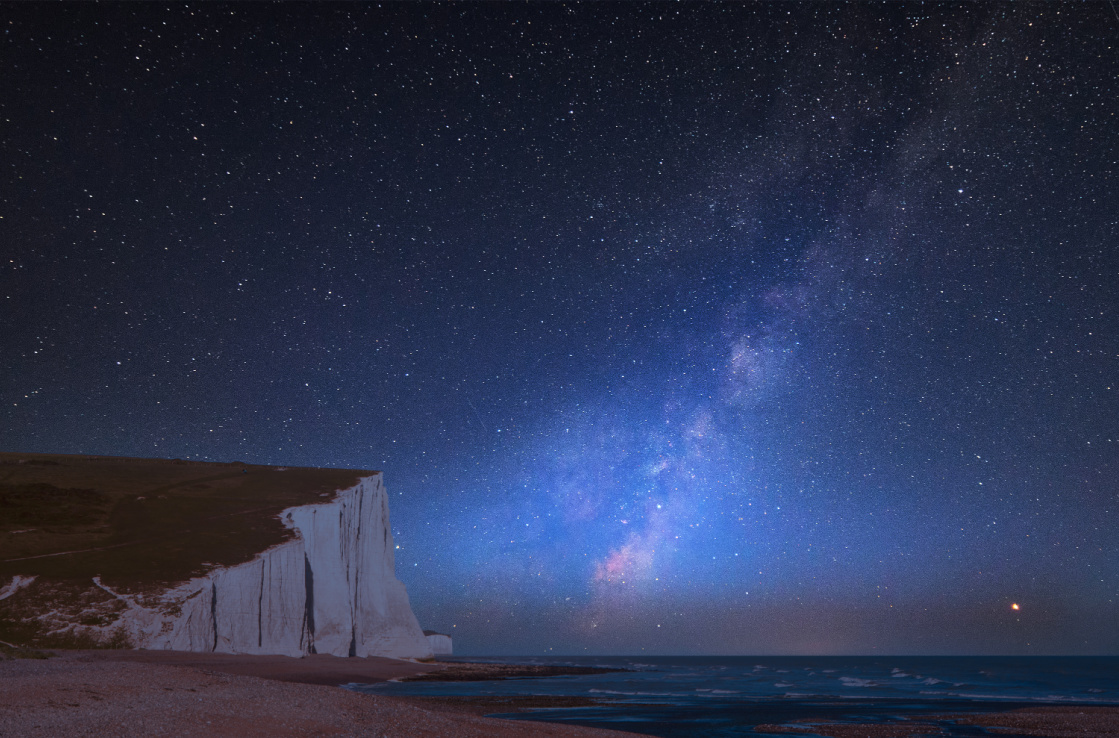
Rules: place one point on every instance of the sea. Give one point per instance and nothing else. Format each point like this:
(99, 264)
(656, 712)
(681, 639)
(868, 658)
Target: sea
(729, 696)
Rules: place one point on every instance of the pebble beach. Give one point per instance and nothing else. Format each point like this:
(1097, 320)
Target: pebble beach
(152, 693)
(167, 693)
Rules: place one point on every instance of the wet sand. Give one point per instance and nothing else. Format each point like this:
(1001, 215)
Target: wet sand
(469, 671)
(1063, 721)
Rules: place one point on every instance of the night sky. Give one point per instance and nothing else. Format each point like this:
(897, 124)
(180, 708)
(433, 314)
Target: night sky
(675, 328)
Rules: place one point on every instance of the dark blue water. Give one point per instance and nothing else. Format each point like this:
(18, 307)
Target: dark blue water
(728, 696)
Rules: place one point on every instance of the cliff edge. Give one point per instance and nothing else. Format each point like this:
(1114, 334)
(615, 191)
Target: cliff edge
(326, 584)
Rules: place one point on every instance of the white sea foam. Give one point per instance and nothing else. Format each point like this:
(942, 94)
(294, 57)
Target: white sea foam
(856, 682)
(1011, 697)
(636, 694)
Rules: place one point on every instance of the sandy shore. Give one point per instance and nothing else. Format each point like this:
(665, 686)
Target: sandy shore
(163, 693)
(167, 693)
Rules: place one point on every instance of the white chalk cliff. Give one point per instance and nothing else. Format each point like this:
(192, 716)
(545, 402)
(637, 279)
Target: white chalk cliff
(440, 643)
(330, 589)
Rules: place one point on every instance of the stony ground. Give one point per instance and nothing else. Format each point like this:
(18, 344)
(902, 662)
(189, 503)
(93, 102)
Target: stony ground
(69, 696)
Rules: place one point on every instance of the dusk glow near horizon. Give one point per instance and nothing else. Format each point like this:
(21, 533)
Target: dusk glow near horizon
(675, 328)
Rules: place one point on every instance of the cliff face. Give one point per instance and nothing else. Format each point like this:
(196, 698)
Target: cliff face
(440, 643)
(328, 587)
(331, 589)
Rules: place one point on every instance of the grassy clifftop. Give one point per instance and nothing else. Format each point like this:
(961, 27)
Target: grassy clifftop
(142, 522)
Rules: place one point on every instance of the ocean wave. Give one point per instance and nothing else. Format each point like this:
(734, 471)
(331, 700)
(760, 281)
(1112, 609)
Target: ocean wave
(637, 694)
(1050, 698)
(856, 682)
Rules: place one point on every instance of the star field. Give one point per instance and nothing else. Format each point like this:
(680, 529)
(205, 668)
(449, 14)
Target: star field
(720, 328)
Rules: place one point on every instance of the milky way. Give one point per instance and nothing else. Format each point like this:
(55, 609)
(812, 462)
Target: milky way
(675, 329)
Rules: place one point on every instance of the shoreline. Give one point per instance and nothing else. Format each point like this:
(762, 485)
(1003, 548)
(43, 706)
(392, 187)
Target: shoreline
(175, 693)
(169, 693)
(328, 670)
(321, 669)
(484, 671)
(1043, 721)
